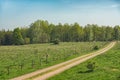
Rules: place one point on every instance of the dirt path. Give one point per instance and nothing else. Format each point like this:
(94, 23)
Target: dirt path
(56, 69)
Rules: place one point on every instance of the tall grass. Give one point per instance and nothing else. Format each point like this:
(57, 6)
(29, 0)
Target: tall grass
(19, 60)
(108, 68)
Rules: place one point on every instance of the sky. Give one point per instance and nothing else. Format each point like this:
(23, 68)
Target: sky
(21, 13)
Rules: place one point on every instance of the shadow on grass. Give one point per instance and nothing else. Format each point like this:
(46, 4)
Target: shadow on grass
(88, 71)
(118, 77)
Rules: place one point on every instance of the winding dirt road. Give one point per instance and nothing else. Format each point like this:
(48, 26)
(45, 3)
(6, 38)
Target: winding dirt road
(46, 73)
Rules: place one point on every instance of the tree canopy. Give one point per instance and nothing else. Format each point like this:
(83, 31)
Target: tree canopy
(43, 32)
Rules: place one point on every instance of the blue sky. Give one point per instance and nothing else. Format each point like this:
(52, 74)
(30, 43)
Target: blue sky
(20, 13)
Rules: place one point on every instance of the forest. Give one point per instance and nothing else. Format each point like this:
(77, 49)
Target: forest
(41, 31)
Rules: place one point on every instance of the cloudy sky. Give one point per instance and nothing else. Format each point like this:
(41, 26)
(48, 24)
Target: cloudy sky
(19, 13)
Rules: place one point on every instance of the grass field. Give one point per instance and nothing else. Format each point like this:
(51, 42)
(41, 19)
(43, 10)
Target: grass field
(19, 60)
(107, 68)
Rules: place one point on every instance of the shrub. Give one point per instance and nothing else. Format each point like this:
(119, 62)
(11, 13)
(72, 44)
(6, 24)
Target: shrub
(17, 37)
(56, 41)
(91, 66)
(96, 48)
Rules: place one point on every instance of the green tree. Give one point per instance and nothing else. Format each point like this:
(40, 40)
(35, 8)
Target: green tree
(18, 39)
(24, 32)
(88, 33)
(2, 33)
(102, 33)
(65, 33)
(8, 38)
(117, 32)
(27, 40)
(95, 31)
(109, 34)
(76, 33)
(56, 32)
(39, 32)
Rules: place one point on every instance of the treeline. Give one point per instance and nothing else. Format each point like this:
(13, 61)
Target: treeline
(42, 32)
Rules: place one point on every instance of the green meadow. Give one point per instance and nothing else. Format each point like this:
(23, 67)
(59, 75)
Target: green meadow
(107, 68)
(19, 60)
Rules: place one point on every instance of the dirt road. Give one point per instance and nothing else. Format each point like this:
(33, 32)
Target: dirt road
(56, 69)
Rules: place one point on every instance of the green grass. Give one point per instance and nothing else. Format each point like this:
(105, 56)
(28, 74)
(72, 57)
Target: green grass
(108, 68)
(11, 57)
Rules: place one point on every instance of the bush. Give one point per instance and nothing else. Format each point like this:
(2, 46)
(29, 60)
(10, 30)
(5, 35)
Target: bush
(96, 48)
(91, 66)
(17, 37)
(56, 41)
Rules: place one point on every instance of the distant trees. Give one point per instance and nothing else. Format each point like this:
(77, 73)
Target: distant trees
(39, 32)
(109, 34)
(2, 33)
(88, 33)
(42, 32)
(17, 37)
(76, 33)
(117, 32)
(8, 38)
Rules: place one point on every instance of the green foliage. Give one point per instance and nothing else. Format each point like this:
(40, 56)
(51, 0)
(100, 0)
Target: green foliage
(56, 41)
(27, 40)
(88, 33)
(7, 39)
(18, 39)
(117, 32)
(41, 31)
(91, 66)
(25, 32)
(95, 48)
